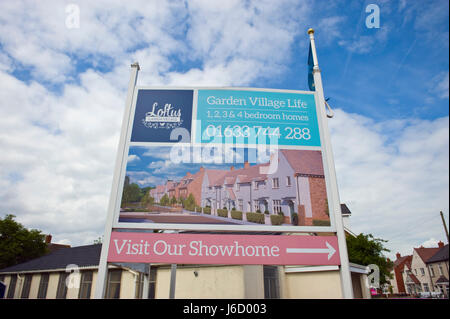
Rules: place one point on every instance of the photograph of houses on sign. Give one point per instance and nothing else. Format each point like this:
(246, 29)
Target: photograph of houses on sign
(288, 188)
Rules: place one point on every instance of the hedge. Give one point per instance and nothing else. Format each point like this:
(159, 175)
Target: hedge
(318, 222)
(222, 212)
(207, 210)
(255, 218)
(276, 219)
(236, 214)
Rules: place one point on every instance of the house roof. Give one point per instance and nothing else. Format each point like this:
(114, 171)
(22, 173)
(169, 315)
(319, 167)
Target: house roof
(426, 253)
(82, 256)
(246, 174)
(442, 280)
(402, 261)
(305, 162)
(440, 255)
(214, 175)
(345, 210)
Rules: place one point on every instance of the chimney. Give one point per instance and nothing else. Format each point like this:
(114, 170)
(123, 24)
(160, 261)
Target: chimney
(246, 164)
(398, 255)
(202, 169)
(48, 239)
(440, 244)
(232, 168)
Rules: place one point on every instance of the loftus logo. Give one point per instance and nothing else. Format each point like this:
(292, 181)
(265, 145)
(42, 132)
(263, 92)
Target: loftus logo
(163, 117)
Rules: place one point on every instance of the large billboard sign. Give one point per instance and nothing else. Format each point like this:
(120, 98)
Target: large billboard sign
(223, 159)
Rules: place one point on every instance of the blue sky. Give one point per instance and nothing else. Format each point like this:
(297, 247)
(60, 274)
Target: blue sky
(64, 70)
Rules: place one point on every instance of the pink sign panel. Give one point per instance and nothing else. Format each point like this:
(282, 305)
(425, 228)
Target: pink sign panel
(223, 249)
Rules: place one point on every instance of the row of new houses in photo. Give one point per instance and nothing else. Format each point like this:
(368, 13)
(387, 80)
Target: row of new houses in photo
(425, 271)
(297, 185)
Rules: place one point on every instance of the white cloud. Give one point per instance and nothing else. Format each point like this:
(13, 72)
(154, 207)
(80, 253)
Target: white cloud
(430, 243)
(393, 175)
(58, 148)
(133, 158)
(439, 85)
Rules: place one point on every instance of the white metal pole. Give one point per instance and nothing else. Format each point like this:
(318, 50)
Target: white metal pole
(103, 265)
(346, 279)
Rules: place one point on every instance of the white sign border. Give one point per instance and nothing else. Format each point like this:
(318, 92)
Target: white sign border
(216, 227)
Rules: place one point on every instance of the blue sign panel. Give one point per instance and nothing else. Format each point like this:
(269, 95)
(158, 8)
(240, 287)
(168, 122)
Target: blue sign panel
(254, 116)
(158, 112)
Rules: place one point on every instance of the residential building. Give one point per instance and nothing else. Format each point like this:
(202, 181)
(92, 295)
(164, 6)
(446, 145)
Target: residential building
(425, 270)
(296, 187)
(439, 270)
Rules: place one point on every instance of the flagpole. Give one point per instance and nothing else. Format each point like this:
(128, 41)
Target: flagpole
(346, 279)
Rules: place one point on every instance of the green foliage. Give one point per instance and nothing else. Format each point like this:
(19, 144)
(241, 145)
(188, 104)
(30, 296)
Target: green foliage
(164, 201)
(255, 218)
(131, 193)
(222, 212)
(207, 210)
(318, 222)
(189, 203)
(276, 219)
(236, 214)
(18, 244)
(147, 200)
(366, 250)
(173, 200)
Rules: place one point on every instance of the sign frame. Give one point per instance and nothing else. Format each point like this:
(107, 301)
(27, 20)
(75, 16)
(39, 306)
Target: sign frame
(121, 171)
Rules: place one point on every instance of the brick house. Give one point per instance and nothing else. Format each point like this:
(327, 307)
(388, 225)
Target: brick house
(297, 186)
(421, 271)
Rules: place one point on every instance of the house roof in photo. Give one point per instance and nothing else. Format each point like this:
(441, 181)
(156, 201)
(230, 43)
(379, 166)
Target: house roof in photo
(305, 162)
(440, 255)
(345, 210)
(426, 253)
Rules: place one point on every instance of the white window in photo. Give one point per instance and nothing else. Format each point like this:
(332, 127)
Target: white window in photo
(422, 271)
(255, 205)
(288, 181)
(255, 185)
(275, 183)
(432, 271)
(277, 206)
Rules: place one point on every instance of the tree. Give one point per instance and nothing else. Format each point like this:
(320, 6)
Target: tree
(189, 203)
(366, 250)
(131, 193)
(18, 244)
(164, 201)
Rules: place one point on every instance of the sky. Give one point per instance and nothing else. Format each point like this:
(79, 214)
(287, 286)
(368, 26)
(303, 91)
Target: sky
(65, 67)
